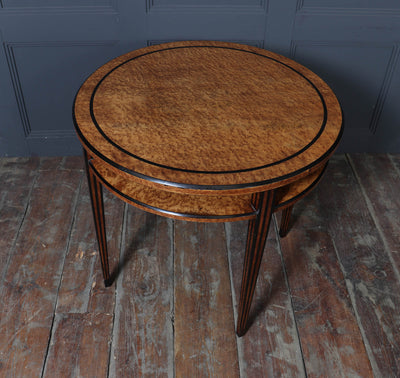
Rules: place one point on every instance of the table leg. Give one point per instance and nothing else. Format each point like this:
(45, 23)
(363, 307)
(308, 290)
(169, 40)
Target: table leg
(256, 237)
(96, 196)
(284, 228)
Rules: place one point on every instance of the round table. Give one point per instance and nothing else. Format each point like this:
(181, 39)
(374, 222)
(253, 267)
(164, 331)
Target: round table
(208, 132)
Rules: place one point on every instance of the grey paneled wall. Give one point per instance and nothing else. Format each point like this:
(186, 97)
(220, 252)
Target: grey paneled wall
(354, 46)
(360, 76)
(50, 47)
(42, 102)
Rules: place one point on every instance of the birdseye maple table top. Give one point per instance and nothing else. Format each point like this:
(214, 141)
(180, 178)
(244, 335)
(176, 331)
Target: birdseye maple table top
(201, 116)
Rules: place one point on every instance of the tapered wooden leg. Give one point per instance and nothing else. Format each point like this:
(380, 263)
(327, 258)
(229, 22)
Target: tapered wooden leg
(256, 237)
(96, 196)
(284, 228)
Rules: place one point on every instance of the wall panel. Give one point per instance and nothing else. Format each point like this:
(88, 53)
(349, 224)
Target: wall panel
(359, 74)
(50, 46)
(46, 77)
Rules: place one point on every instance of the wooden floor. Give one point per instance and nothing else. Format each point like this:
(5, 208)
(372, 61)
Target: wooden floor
(327, 302)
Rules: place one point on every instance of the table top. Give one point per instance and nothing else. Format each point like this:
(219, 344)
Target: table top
(207, 116)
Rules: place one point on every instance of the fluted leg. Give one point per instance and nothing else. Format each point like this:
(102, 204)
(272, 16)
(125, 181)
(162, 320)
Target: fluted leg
(256, 237)
(96, 196)
(284, 228)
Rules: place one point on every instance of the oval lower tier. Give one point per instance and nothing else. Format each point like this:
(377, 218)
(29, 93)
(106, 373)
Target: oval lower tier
(192, 207)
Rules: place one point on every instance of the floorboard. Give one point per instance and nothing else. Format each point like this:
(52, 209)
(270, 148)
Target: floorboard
(17, 177)
(271, 346)
(85, 308)
(72, 352)
(205, 341)
(30, 285)
(379, 181)
(370, 276)
(143, 331)
(328, 329)
(326, 301)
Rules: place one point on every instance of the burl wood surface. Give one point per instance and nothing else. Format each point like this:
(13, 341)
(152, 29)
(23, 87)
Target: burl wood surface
(208, 116)
(326, 303)
(175, 205)
(201, 207)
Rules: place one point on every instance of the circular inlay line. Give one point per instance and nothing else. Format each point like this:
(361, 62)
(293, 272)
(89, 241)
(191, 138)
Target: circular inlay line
(106, 137)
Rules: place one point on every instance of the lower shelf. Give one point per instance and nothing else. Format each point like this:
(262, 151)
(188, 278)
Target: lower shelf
(199, 208)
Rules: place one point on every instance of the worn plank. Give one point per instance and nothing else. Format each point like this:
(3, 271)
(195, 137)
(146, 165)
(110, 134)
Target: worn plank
(17, 176)
(79, 346)
(271, 346)
(330, 338)
(337, 206)
(334, 216)
(143, 331)
(33, 274)
(85, 308)
(82, 287)
(205, 341)
(73, 162)
(380, 183)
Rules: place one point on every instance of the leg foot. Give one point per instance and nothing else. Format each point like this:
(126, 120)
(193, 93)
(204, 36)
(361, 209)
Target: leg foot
(96, 196)
(285, 220)
(256, 237)
(108, 282)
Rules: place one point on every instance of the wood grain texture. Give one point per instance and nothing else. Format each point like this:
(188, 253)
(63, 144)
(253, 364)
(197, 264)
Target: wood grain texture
(371, 279)
(330, 338)
(256, 237)
(336, 215)
(84, 313)
(379, 178)
(30, 285)
(205, 117)
(285, 221)
(17, 177)
(82, 288)
(197, 115)
(102, 299)
(175, 205)
(270, 347)
(96, 197)
(143, 328)
(289, 194)
(198, 208)
(79, 346)
(205, 341)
